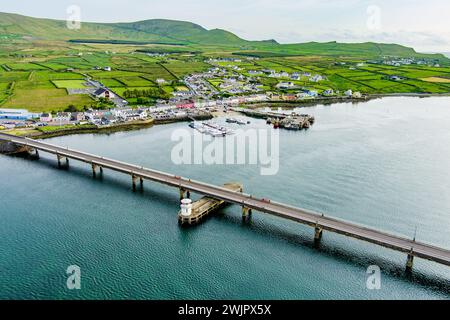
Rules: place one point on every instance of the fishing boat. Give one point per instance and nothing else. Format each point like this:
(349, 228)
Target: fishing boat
(231, 120)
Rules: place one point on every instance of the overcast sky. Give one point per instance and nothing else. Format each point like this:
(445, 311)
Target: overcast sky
(424, 25)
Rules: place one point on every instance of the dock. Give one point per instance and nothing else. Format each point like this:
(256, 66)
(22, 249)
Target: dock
(194, 213)
(320, 222)
(289, 121)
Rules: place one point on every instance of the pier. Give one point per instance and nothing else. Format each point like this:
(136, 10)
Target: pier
(248, 203)
(194, 213)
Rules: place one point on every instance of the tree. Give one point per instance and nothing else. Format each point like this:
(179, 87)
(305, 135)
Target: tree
(71, 108)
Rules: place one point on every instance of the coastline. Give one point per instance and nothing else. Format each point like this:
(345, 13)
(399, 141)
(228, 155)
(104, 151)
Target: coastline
(138, 125)
(131, 126)
(335, 100)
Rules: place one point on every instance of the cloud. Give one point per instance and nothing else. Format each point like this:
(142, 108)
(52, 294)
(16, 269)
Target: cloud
(422, 24)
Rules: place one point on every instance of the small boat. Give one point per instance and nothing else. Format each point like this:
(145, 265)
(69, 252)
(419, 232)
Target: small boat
(216, 133)
(231, 120)
(241, 122)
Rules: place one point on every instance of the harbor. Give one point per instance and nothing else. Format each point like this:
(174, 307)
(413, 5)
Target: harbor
(288, 120)
(211, 128)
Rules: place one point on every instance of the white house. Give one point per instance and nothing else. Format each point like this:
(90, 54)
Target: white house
(317, 78)
(62, 117)
(45, 117)
(160, 81)
(285, 85)
(104, 93)
(348, 93)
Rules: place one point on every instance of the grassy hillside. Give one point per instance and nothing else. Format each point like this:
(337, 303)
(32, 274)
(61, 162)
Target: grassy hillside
(160, 31)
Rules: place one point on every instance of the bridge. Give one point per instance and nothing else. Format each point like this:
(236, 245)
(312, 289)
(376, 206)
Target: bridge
(248, 203)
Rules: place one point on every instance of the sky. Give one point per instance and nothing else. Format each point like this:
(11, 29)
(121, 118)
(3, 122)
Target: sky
(424, 25)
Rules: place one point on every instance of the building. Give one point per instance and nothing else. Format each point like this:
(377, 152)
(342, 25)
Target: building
(63, 117)
(160, 81)
(186, 105)
(78, 116)
(286, 85)
(107, 68)
(104, 93)
(395, 78)
(16, 114)
(45, 117)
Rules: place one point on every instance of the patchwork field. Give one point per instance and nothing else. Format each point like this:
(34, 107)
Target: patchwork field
(69, 84)
(37, 78)
(437, 80)
(40, 100)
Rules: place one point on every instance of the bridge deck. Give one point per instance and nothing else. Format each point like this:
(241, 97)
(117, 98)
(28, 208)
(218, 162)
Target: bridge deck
(303, 216)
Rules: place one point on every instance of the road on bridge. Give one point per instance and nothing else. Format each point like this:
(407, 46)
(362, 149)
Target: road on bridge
(412, 247)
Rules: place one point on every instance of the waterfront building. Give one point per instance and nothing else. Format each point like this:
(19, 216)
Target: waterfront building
(46, 117)
(16, 114)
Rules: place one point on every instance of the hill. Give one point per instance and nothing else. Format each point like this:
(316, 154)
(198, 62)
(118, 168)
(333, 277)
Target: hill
(161, 31)
(157, 30)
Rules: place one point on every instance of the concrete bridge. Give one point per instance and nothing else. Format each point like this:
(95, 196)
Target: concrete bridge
(248, 203)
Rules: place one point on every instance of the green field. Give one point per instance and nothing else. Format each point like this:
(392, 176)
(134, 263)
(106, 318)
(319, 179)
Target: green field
(36, 75)
(40, 100)
(69, 84)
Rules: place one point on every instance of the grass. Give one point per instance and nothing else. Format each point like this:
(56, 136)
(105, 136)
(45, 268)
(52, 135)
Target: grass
(40, 80)
(40, 100)
(51, 129)
(69, 84)
(436, 80)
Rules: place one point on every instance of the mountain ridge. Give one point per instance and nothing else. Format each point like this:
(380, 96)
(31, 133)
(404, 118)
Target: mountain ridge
(166, 31)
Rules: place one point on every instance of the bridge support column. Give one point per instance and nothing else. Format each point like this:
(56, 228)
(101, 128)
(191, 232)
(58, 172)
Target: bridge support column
(36, 153)
(318, 231)
(94, 170)
(141, 182)
(101, 170)
(409, 262)
(59, 160)
(246, 213)
(184, 194)
(133, 179)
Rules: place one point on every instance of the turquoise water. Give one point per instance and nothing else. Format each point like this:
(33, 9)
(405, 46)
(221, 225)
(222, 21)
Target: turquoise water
(384, 164)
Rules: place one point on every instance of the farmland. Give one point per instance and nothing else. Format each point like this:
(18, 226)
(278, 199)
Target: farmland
(38, 76)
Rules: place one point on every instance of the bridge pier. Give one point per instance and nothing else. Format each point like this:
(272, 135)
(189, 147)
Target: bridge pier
(59, 159)
(133, 180)
(184, 194)
(318, 231)
(246, 213)
(94, 170)
(410, 261)
(36, 154)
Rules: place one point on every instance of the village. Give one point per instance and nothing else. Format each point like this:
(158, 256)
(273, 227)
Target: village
(219, 87)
